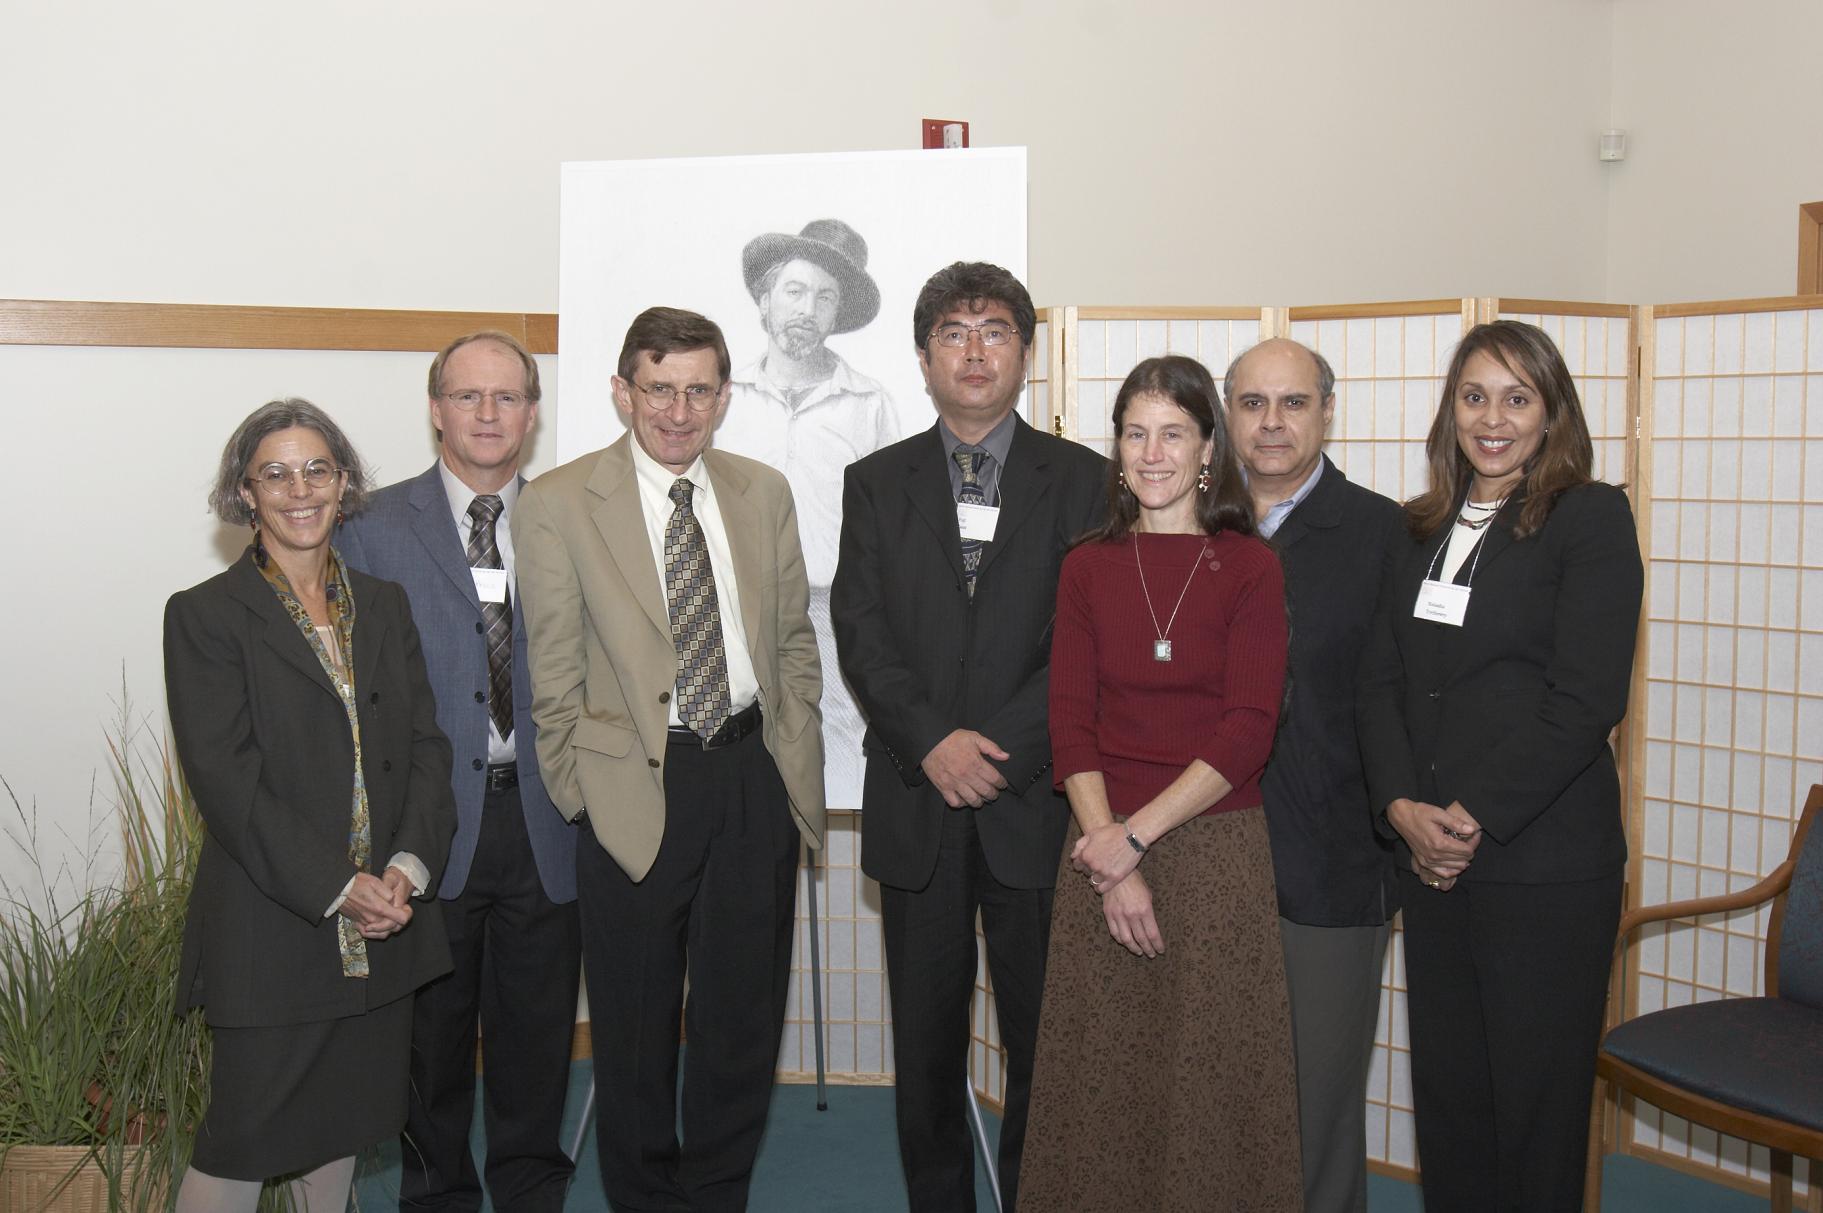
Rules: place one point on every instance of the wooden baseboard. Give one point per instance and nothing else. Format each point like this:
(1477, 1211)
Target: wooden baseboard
(1393, 1171)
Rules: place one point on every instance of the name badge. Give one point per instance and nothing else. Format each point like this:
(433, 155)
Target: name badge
(977, 521)
(1442, 602)
(490, 584)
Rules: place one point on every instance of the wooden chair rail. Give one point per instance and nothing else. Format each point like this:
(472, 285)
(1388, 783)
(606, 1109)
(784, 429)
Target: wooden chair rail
(1775, 883)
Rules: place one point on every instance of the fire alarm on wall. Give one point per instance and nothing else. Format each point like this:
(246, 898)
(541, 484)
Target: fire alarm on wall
(945, 132)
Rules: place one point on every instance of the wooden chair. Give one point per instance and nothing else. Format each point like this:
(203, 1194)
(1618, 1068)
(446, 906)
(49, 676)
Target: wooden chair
(1748, 1067)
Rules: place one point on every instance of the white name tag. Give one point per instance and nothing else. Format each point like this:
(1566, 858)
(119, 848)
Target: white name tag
(490, 584)
(1442, 602)
(977, 521)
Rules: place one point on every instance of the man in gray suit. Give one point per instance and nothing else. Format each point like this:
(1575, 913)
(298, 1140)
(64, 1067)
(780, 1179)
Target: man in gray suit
(509, 891)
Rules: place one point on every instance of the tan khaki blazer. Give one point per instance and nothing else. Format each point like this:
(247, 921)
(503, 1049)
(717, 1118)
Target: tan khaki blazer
(603, 665)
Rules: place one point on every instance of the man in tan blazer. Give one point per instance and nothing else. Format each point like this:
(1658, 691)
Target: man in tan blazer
(675, 686)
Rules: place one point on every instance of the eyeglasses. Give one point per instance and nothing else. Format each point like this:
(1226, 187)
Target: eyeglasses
(470, 401)
(276, 478)
(955, 336)
(700, 397)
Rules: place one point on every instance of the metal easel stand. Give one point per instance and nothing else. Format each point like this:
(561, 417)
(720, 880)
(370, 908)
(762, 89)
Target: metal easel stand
(816, 971)
(582, 1124)
(981, 1142)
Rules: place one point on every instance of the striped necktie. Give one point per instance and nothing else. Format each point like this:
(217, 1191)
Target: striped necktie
(484, 553)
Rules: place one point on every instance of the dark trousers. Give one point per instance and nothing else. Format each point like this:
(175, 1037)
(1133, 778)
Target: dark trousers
(1507, 986)
(1332, 976)
(517, 964)
(718, 906)
(929, 938)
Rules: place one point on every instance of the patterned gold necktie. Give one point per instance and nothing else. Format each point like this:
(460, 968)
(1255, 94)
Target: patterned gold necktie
(696, 620)
(484, 553)
(969, 459)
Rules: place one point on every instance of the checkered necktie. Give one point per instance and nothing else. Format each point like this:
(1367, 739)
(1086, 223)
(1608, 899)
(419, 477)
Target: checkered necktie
(484, 553)
(969, 459)
(696, 620)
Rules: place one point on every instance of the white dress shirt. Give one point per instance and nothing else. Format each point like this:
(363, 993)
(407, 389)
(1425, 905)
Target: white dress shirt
(655, 504)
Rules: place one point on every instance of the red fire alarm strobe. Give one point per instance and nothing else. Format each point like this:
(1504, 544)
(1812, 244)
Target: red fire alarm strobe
(945, 132)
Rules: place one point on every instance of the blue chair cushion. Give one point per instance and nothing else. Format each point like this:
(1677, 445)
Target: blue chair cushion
(1762, 1054)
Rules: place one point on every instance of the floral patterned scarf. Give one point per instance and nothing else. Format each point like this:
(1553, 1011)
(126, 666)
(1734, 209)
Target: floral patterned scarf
(360, 825)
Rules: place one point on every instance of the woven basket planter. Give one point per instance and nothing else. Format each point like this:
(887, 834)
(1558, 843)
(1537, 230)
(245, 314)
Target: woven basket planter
(38, 1179)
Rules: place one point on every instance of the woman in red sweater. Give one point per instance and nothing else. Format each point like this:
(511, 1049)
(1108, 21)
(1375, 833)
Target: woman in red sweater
(1165, 1076)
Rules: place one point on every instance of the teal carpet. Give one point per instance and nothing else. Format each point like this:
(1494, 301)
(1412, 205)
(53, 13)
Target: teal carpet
(845, 1160)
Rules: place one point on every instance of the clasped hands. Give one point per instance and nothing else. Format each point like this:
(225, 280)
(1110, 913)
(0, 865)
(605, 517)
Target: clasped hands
(958, 767)
(379, 906)
(1442, 841)
(1111, 864)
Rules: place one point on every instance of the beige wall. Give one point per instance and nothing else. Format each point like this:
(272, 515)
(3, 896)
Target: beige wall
(1723, 104)
(334, 154)
(405, 154)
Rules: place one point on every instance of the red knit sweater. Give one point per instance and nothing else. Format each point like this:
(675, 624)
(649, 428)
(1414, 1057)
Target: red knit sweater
(1139, 721)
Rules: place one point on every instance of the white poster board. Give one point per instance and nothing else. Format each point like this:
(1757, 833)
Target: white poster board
(698, 234)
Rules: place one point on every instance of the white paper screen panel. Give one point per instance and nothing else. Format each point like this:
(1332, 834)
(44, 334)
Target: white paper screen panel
(856, 1011)
(1108, 348)
(1389, 374)
(1599, 352)
(1732, 453)
(1038, 379)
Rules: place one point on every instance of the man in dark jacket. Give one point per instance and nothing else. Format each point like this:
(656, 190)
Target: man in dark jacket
(1334, 874)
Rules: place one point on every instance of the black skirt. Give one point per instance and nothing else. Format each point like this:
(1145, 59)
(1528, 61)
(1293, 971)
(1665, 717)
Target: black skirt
(288, 1099)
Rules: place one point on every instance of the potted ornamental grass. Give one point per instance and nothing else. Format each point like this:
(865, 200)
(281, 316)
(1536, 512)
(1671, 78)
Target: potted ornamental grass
(101, 1083)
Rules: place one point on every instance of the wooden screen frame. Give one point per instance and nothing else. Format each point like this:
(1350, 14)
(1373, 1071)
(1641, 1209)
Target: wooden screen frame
(1810, 248)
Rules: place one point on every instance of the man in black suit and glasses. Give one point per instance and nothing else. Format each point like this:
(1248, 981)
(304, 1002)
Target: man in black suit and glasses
(942, 603)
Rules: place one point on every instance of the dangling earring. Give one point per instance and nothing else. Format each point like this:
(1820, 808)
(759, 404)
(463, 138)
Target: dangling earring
(1202, 480)
(1120, 478)
(340, 518)
(259, 548)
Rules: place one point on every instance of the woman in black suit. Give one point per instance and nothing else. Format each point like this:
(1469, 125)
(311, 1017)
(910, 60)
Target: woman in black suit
(306, 729)
(1500, 662)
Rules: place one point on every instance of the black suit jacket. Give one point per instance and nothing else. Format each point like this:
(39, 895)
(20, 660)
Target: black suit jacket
(264, 741)
(925, 659)
(1333, 869)
(1510, 713)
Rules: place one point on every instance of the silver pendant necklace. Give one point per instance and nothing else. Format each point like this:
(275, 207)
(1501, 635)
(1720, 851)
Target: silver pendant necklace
(1161, 647)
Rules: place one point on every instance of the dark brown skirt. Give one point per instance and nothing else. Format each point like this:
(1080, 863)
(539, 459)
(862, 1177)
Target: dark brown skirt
(290, 1098)
(1170, 1083)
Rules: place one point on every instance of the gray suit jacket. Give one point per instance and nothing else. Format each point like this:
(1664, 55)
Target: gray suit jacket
(406, 534)
(603, 664)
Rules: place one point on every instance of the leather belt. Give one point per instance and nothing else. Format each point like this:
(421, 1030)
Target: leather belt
(733, 729)
(502, 775)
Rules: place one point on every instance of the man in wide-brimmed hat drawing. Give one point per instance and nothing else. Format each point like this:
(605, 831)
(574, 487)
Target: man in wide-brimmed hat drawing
(801, 408)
